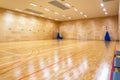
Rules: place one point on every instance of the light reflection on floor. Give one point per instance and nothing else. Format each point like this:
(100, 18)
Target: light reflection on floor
(103, 72)
(68, 60)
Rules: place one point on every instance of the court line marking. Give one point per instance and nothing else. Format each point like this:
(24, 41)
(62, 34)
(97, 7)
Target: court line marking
(14, 63)
(4, 51)
(7, 57)
(31, 58)
(68, 69)
(8, 63)
(31, 51)
(61, 58)
(47, 66)
(59, 48)
(44, 68)
(78, 65)
(34, 55)
(112, 68)
(37, 50)
(9, 52)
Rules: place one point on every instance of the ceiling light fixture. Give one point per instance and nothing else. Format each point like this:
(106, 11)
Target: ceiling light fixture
(106, 13)
(56, 19)
(102, 5)
(81, 13)
(42, 15)
(75, 9)
(104, 9)
(46, 9)
(69, 17)
(18, 9)
(85, 15)
(31, 13)
(67, 4)
(33, 4)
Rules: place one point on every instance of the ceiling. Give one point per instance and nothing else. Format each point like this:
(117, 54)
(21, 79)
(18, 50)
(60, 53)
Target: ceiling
(65, 10)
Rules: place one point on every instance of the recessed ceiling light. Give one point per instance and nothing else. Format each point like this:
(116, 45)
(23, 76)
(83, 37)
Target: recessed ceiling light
(46, 9)
(104, 9)
(67, 4)
(102, 5)
(75, 9)
(69, 17)
(81, 13)
(106, 13)
(31, 13)
(42, 15)
(56, 13)
(63, 15)
(18, 9)
(85, 15)
(33, 4)
(56, 19)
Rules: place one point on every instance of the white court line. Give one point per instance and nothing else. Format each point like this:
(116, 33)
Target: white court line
(23, 67)
(31, 51)
(63, 48)
(41, 54)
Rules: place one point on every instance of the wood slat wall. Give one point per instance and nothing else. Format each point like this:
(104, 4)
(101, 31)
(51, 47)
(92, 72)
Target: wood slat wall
(90, 29)
(15, 26)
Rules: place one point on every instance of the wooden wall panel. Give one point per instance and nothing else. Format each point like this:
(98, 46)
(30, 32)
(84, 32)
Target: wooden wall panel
(119, 20)
(15, 26)
(90, 29)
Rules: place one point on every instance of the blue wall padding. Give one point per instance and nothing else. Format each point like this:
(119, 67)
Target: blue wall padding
(107, 37)
(58, 36)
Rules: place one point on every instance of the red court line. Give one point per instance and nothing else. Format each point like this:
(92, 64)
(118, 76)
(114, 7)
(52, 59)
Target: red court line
(48, 66)
(112, 69)
(11, 64)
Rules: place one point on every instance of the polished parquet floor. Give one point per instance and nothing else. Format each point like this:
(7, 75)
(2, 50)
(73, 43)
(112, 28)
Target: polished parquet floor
(56, 60)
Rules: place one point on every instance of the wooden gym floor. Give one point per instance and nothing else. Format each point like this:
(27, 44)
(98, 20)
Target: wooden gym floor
(56, 60)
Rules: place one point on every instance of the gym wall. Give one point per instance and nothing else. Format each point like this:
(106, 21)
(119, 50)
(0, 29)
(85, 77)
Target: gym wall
(90, 29)
(15, 26)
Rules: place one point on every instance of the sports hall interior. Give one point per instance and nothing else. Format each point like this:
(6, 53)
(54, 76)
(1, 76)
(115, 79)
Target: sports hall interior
(59, 40)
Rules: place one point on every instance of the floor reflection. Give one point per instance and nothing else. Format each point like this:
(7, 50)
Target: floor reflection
(67, 61)
(107, 44)
(103, 72)
(83, 66)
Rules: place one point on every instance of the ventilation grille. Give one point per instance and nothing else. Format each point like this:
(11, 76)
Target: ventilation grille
(36, 12)
(58, 5)
(107, 0)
